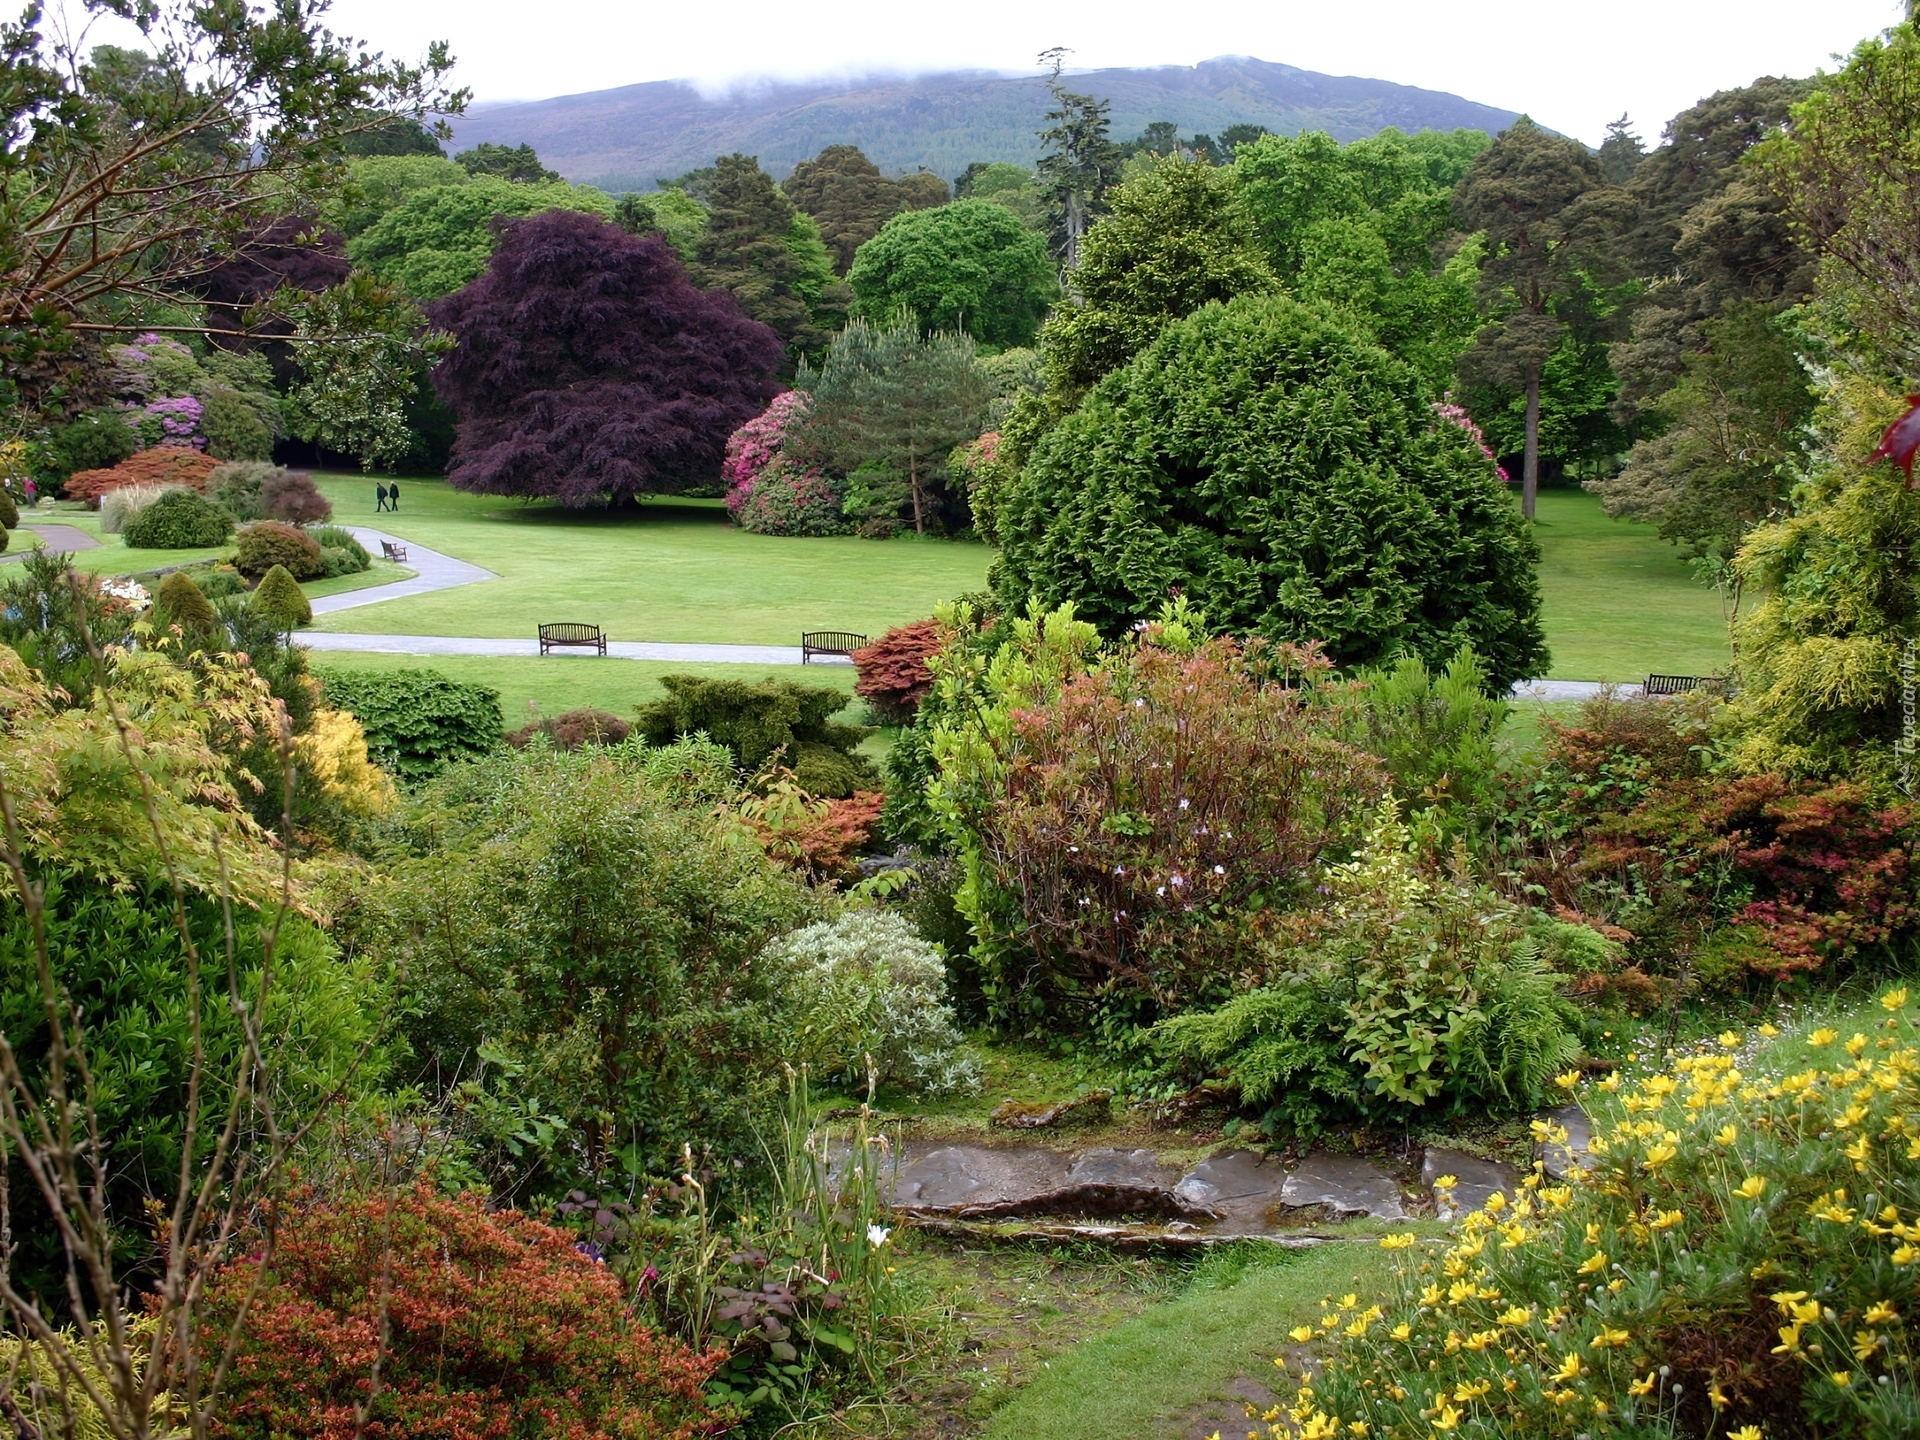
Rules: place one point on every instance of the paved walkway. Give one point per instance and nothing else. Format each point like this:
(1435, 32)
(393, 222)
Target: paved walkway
(622, 649)
(432, 571)
(60, 539)
(435, 571)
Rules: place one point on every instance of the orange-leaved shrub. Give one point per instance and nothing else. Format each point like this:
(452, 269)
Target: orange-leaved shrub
(497, 1328)
(1741, 1259)
(820, 839)
(162, 465)
(1630, 821)
(894, 677)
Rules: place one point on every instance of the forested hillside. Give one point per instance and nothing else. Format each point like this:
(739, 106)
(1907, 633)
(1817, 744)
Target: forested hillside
(628, 138)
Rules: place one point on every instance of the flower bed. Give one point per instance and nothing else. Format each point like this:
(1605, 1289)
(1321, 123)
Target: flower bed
(1742, 1259)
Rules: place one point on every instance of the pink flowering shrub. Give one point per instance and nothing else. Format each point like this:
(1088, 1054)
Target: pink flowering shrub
(1454, 415)
(756, 445)
(785, 500)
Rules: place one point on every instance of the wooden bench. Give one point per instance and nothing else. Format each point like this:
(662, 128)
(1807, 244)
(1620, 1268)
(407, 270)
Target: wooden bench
(583, 635)
(829, 642)
(1671, 684)
(393, 552)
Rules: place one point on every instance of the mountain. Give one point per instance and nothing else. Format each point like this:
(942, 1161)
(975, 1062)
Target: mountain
(625, 139)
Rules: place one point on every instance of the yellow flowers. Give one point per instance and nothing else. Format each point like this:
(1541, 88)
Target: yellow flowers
(1832, 1207)
(1659, 1086)
(1593, 1234)
(1745, 1432)
(1729, 1040)
(1726, 1135)
(1349, 1302)
(1593, 1264)
(1856, 1044)
(1446, 1182)
(1906, 1254)
(1610, 1339)
(1402, 1331)
(1789, 1340)
(1666, 1219)
(1396, 1242)
(1641, 1387)
(1842, 1378)
(1567, 1081)
(1466, 1393)
(1570, 1369)
(1894, 999)
(1660, 1154)
(1301, 1334)
(1823, 1036)
(1717, 1395)
(1880, 1312)
(1752, 1188)
(1447, 1419)
(1496, 1202)
(1516, 1315)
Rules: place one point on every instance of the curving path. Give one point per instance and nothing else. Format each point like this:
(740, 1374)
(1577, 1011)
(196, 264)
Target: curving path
(432, 571)
(60, 539)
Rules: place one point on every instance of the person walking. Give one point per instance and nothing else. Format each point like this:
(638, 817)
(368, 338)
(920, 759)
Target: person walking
(379, 498)
(393, 496)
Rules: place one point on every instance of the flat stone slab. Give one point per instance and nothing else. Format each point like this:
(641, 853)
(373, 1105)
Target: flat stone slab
(1099, 1182)
(1347, 1187)
(1477, 1180)
(957, 1176)
(1240, 1187)
(1562, 1160)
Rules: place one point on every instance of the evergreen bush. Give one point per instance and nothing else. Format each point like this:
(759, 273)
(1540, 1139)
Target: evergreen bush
(219, 582)
(267, 543)
(9, 511)
(774, 719)
(97, 440)
(340, 553)
(417, 721)
(237, 485)
(181, 602)
(1286, 475)
(180, 519)
(281, 600)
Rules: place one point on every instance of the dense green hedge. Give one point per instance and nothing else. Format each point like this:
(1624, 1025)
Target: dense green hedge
(417, 721)
(1290, 479)
(178, 520)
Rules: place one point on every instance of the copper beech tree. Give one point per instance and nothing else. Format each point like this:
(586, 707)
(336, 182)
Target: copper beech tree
(589, 368)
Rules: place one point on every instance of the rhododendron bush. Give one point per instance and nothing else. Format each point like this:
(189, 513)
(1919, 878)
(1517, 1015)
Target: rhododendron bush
(1742, 1259)
(495, 1328)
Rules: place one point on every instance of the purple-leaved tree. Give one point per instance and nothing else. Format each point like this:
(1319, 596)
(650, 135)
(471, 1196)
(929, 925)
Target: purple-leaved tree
(589, 368)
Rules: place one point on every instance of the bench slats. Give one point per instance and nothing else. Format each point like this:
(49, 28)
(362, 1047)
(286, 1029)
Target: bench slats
(829, 642)
(570, 633)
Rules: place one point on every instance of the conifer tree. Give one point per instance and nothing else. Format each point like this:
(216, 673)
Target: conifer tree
(281, 600)
(1081, 161)
(847, 195)
(180, 602)
(744, 250)
(1549, 215)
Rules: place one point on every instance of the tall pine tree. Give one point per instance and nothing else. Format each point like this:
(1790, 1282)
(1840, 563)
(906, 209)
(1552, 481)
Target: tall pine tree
(745, 250)
(1549, 216)
(1080, 162)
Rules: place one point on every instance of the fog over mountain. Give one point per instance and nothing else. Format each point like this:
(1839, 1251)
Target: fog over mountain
(627, 138)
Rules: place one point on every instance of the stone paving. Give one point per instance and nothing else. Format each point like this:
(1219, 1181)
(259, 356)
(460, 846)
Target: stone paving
(1132, 1195)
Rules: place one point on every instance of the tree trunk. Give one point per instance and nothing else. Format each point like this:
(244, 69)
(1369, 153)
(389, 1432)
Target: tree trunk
(913, 484)
(1530, 471)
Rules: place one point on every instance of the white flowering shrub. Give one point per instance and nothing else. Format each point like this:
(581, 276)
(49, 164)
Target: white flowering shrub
(868, 985)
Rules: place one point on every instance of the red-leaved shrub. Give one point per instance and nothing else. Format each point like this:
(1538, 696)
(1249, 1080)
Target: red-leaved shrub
(894, 678)
(498, 1329)
(821, 839)
(162, 465)
(292, 496)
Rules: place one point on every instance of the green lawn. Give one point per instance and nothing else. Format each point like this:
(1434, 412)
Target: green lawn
(1619, 602)
(669, 570)
(1171, 1372)
(558, 683)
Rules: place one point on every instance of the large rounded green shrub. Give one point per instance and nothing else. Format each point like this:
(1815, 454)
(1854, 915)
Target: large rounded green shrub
(9, 512)
(1290, 479)
(179, 520)
(181, 602)
(970, 266)
(269, 543)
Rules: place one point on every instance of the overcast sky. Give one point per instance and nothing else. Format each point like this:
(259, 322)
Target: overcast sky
(1573, 67)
